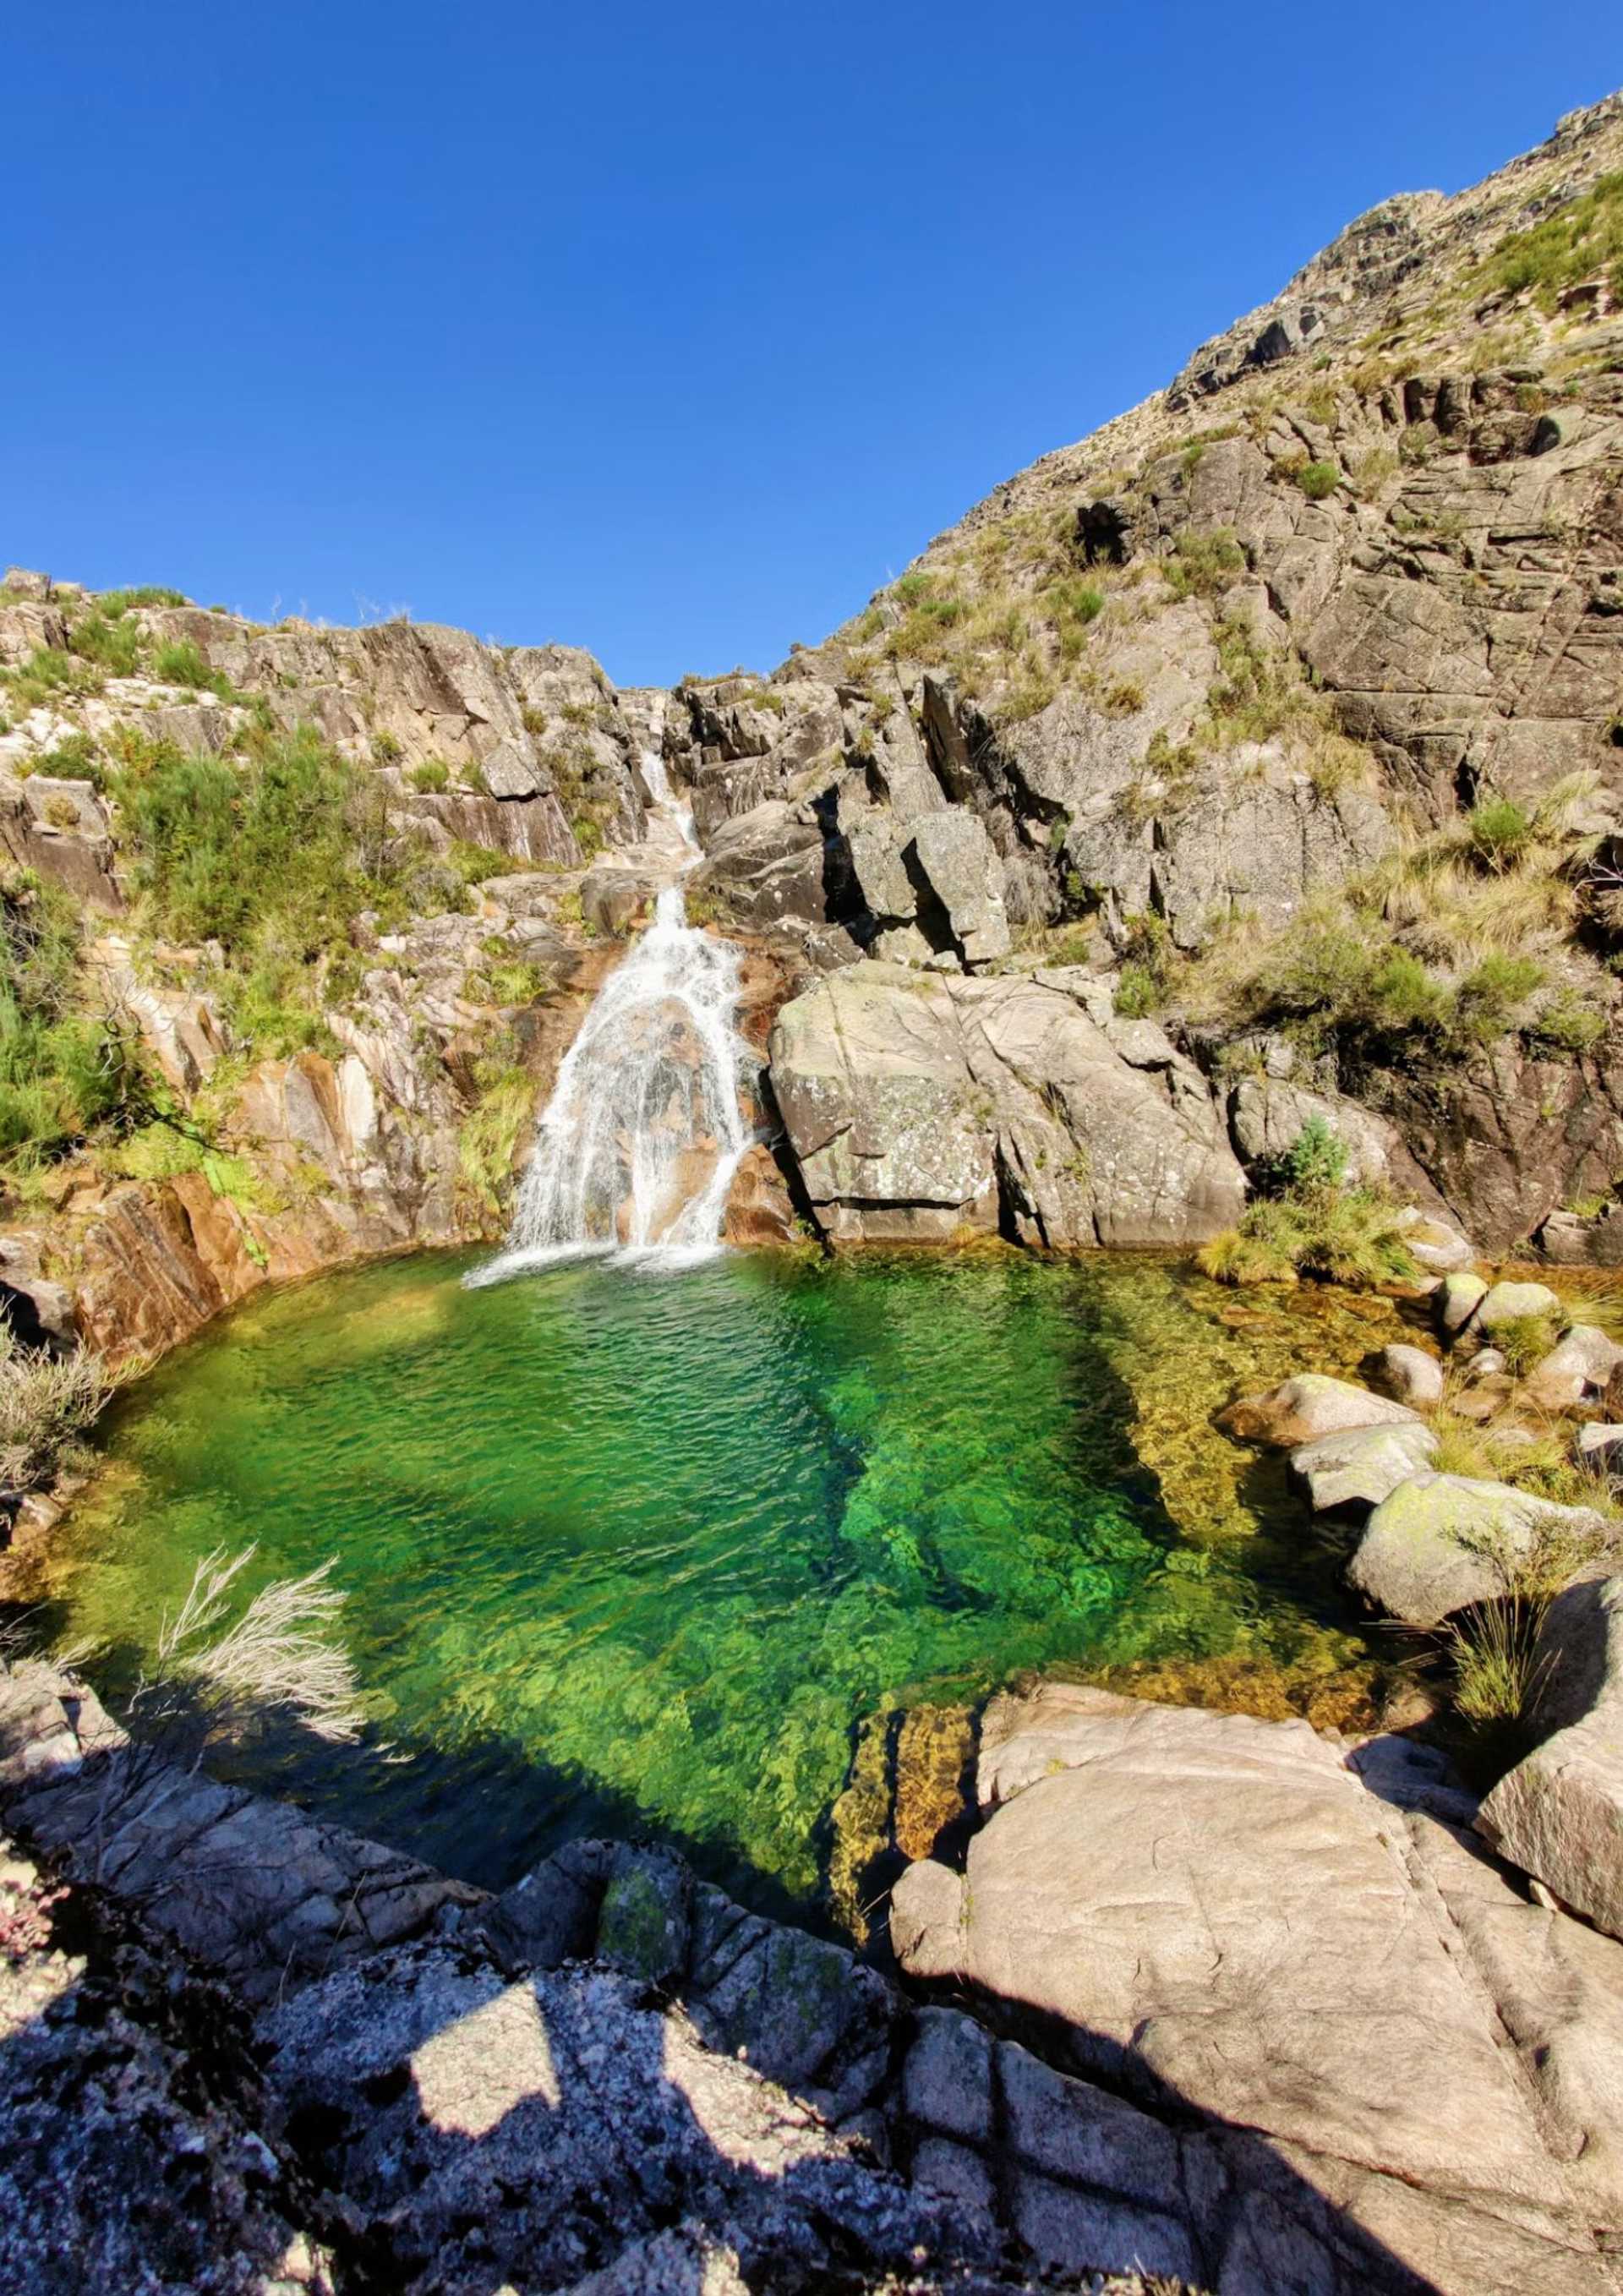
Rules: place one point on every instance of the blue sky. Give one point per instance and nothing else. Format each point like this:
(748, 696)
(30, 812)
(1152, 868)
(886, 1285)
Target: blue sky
(669, 333)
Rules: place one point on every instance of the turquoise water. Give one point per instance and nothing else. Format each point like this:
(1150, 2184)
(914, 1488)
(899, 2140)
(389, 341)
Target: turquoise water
(627, 1551)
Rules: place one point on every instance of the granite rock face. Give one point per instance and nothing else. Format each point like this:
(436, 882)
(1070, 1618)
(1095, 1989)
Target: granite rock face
(916, 1104)
(1249, 1942)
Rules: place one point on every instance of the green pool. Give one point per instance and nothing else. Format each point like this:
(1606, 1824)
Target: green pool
(632, 1551)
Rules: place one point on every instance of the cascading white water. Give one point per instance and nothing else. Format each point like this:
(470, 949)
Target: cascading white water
(638, 1146)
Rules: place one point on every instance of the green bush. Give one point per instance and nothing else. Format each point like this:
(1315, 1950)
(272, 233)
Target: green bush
(1316, 1159)
(74, 758)
(490, 1131)
(180, 663)
(114, 602)
(1317, 480)
(112, 643)
(1500, 832)
(49, 673)
(433, 775)
(1341, 1236)
(218, 849)
(1581, 240)
(1569, 1024)
(62, 1071)
(1490, 993)
(1137, 993)
(1204, 564)
(386, 749)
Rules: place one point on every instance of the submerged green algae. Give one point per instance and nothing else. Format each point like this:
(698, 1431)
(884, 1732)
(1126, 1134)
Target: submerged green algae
(625, 1550)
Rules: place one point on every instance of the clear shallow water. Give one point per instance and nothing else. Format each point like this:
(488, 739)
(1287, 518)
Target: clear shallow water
(627, 1551)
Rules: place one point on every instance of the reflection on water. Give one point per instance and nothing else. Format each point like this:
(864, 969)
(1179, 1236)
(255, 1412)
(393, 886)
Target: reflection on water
(623, 1553)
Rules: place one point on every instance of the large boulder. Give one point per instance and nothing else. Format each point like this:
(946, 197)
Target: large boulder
(916, 1104)
(1559, 1813)
(1439, 1542)
(1210, 1915)
(1312, 1404)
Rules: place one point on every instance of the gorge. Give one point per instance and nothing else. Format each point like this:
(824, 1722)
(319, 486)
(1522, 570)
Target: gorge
(1047, 1704)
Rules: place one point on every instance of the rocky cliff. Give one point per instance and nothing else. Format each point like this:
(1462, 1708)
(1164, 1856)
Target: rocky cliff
(1286, 707)
(1257, 757)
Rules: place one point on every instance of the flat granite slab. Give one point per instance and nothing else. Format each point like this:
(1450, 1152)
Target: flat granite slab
(1233, 1928)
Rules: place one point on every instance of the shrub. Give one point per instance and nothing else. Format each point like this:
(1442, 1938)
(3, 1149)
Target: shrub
(217, 851)
(114, 602)
(490, 1130)
(1316, 1159)
(1317, 480)
(46, 1402)
(1137, 993)
(1343, 1235)
(1204, 564)
(1500, 832)
(1569, 1024)
(386, 749)
(433, 775)
(74, 758)
(61, 1071)
(48, 673)
(1579, 241)
(114, 646)
(180, 663)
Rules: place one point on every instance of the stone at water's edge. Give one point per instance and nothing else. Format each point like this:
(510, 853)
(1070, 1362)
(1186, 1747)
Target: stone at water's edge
(1559, 1813)
(1458, 1297)
(1576, 1370)
(758, 1208)
(263, 1893)
(1217, 1918)
(1300, 1410)
(1437, 1543)
(1410, 1375)
(1360, 1466)
(1510, 1303)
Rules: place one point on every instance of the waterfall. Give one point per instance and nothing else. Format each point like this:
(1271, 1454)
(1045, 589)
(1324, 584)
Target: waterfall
(638, 1146)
